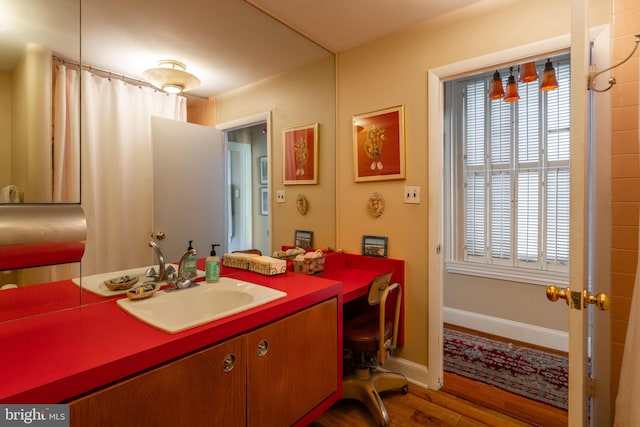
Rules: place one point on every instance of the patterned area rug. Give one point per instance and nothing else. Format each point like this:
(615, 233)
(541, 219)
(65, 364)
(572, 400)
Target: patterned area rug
(531, 373)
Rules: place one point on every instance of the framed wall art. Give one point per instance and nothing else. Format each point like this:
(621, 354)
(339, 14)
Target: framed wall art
(264, 201)
(264, 178)
(303, 239)
(300, 153)
(378, 145)
(374, 246)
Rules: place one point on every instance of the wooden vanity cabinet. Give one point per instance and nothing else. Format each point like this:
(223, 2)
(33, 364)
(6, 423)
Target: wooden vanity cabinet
(193, 391)
(297, 370)
(280, 372)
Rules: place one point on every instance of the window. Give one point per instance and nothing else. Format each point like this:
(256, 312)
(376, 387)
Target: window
(510, 173)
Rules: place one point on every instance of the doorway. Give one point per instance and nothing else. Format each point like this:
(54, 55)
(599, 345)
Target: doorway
(437, 187)
(247, 187)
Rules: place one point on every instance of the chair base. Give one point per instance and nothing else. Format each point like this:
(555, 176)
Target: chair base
(365, 385)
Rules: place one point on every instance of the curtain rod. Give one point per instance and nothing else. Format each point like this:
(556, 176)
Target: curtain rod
(119, 76)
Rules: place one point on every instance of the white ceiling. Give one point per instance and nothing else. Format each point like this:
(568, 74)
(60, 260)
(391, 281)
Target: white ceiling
(226, 43)
(339, 25)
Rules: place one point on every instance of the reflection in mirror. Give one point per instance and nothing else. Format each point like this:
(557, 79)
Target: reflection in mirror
(40, 61)
(39, 155)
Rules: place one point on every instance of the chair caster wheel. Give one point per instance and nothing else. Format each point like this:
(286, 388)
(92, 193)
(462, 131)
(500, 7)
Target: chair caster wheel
(404, 390)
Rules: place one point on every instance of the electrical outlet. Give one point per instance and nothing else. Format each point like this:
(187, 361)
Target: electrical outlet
(280, 196)
(411, 195)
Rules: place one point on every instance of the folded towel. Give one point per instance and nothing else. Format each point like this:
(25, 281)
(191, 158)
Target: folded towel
(9, 194)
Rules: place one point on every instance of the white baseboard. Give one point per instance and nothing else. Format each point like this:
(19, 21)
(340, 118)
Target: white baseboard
(415, 373)
(544, 337)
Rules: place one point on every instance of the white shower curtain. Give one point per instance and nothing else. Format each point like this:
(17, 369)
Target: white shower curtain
(627, 407)
(117, 169)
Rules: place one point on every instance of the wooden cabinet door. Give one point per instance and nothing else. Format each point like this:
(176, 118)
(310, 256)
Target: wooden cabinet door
(292, 365)
(193, 391)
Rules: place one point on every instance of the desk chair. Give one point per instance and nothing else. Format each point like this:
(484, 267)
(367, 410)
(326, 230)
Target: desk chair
(366, 351)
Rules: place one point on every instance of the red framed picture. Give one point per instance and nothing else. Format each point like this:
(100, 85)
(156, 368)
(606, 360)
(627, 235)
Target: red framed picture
(378, 145)
(300, 152)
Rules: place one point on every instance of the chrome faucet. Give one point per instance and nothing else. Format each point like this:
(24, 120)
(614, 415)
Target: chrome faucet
(164, 271)
(179, 281)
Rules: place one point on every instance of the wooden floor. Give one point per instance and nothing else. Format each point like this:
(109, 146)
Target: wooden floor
(460, 402)
(422, 407)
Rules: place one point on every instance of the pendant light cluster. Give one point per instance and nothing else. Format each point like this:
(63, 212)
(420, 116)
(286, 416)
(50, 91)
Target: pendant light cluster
(528, 73)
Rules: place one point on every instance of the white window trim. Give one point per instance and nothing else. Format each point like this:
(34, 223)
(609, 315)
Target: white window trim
(511, 274)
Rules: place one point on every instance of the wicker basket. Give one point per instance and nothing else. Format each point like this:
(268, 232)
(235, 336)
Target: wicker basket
(237, 260)
(309, 266)
(267, 265)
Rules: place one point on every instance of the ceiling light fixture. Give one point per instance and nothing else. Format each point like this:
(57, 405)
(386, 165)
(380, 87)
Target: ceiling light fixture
(528, 73)
(549, 81)
(511, 94)
(171, 77)
(497, 91)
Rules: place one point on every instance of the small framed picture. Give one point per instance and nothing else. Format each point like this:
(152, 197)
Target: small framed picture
(300, 150)
(374, 246)
(264, 201)
(263, 170)
(303, 239)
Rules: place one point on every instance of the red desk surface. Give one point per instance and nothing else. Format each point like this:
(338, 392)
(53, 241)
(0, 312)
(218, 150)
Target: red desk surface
(53, 357)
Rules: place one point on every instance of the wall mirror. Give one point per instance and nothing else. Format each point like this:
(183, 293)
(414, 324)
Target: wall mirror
(37, 36)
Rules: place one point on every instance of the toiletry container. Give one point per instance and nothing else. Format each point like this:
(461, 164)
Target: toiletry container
(190, 262)
(212, 266)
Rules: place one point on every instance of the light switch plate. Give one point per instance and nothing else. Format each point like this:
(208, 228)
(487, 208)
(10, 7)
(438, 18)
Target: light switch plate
(411, 194)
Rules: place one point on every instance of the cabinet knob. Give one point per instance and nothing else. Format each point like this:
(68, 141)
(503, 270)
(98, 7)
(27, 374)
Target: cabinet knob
(263, 348)
(229, 362)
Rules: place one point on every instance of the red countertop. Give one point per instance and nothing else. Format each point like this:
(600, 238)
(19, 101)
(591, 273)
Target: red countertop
(54, 357)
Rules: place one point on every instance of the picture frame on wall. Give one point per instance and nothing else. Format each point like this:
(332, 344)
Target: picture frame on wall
(303, 239)
(264, 201)
(375, 246)
(264, 177)
(300, 155)
(379, 145)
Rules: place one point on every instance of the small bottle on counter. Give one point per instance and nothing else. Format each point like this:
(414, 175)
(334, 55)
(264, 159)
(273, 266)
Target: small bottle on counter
(190, 264)
(212, 266)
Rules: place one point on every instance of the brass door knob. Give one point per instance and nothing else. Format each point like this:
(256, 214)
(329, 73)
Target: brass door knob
(554, 294)
(600, 300)
(160, 235)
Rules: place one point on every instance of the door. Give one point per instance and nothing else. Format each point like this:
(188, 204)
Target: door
(188, 188)
(240, 194)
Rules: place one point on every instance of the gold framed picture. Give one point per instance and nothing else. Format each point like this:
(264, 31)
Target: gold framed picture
(378, 145)
(300, 151)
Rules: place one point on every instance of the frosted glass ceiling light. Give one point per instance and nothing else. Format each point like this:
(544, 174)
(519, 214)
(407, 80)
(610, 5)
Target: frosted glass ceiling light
(171, 77)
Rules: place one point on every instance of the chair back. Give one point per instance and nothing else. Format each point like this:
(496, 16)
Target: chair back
(379, 291)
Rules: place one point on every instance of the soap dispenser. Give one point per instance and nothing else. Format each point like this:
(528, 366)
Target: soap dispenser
(212, 264)
(190, 263)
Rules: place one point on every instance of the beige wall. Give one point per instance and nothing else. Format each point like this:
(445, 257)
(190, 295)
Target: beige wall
(300, 97)
(5, 129)
(393, 71)
(31, 125)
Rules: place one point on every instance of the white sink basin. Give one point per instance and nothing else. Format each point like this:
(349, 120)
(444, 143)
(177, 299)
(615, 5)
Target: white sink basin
(179, 310)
